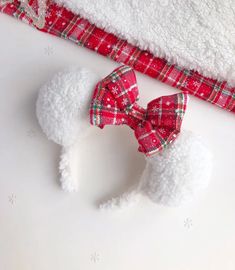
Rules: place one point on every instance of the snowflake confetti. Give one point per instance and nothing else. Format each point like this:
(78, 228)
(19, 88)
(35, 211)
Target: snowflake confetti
(188, 223)
(48, 50)
(95, 257)
(12, 198)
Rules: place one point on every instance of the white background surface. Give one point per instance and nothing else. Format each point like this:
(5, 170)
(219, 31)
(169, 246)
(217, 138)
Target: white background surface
(43, 228)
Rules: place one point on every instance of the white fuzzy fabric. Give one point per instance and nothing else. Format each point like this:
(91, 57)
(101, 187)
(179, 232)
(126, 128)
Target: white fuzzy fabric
(174, 176)
(178, 174)
(67, 177)
(63, 113)
(63, 105)
(128, 199)
(196, 34)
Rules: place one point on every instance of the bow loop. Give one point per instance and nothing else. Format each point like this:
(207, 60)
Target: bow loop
(122, 84)
(167, 111)
(114, 103)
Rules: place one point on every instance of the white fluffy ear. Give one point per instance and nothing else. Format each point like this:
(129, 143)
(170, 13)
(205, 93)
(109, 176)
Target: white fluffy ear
(172, 177)
(179, 173)
(63, 112)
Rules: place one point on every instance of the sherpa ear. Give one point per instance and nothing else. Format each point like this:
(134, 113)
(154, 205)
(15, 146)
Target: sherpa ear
(63, 113)
(180, 173)
(174, 176)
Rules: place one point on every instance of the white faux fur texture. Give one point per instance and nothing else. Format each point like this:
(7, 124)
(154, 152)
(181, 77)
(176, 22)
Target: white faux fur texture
(179, 173)
(195, 34)
(63, 105)
(172, 177)
(63, 113)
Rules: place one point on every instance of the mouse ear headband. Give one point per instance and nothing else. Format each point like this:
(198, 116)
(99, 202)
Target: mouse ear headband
(178, 165)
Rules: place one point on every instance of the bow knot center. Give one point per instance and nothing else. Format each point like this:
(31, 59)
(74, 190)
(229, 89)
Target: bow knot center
(137, 113)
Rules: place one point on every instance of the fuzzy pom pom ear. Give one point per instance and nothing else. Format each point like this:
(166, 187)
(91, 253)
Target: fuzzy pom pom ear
(63, 112)
(172, 177)
(179, 173)
(63, 105)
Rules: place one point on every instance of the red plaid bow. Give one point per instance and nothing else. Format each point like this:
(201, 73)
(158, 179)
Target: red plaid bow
(114, 103)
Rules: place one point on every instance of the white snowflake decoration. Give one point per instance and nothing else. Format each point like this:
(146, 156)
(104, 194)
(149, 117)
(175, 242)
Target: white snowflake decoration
(115, 89)
(48, 50)
(95, 257)
(188, 223)
(196, 83)
(12, 198)
(59, 13)
(155, 109)
(125, 101)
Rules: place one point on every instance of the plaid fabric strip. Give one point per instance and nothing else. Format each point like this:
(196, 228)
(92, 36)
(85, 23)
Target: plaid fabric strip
(114, 103)
(63, 23)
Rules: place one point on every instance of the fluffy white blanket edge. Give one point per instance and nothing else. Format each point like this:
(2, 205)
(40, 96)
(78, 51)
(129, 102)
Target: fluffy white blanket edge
(198, 35)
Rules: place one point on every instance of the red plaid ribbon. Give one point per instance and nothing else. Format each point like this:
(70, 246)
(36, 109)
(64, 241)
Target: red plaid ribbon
(63, 23)
(114, 103)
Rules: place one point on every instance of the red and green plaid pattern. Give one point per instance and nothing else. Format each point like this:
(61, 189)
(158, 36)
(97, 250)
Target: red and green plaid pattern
(114, 103)
(63, 23)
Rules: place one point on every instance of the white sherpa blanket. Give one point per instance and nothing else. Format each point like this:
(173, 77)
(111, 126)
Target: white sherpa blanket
(195, 34)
